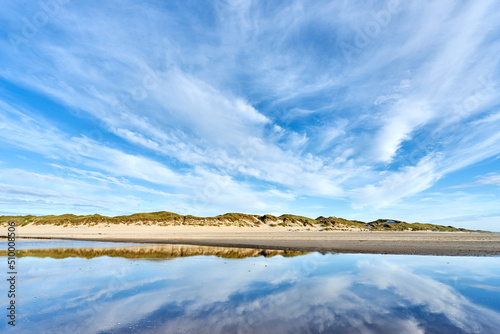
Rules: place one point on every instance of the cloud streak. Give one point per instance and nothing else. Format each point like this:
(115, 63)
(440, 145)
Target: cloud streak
(311, 293)
(259, 95)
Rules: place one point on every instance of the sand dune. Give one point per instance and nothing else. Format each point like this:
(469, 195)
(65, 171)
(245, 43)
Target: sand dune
(265, 237)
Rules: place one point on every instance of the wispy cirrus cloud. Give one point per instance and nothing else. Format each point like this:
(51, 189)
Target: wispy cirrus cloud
(488, 179)
(274, 289)
(261, 95)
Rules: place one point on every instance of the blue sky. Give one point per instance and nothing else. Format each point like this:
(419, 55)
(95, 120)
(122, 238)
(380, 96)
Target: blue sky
(356, 109)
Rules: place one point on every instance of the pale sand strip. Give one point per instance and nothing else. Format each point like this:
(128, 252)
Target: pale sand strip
(426, 243)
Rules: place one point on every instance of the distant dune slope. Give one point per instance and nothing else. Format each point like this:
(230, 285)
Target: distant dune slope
(166, 218)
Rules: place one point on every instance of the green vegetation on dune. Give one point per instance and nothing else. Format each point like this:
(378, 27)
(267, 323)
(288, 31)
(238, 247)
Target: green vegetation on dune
(69, 219)
(293, 219)
(236, 217)
(396, 225)
(340, 222)
(230, 219)
(152, 216)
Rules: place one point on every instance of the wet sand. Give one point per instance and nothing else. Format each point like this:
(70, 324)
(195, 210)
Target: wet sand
(380, 242)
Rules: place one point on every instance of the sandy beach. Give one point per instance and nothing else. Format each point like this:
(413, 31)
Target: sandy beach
(353, 241)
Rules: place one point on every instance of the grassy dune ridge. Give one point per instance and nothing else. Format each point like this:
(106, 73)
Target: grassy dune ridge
(165, 218)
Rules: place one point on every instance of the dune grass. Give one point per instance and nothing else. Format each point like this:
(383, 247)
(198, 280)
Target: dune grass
(230, 219)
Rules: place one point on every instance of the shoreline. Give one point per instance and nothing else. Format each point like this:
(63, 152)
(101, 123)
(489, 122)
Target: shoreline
(372, 242)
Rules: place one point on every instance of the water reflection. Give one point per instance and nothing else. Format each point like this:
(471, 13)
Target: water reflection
(313, 293)
(152, 252)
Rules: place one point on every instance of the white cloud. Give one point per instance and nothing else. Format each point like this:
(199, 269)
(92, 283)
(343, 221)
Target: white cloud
(267, 295)
(401, 122)
(262, 97)
(488, 179)
(407, 182)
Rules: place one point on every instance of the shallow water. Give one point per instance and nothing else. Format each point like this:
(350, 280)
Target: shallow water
(311, 293)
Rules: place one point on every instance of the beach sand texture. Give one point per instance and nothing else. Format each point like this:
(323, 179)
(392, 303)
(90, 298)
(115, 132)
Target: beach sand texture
(267, 237)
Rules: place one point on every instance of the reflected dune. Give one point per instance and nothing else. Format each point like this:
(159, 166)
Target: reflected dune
(120, 290)
(153, 252)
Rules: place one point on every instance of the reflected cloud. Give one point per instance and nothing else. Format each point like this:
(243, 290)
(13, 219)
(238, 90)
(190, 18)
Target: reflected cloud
(435, 297)
(313, 293)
